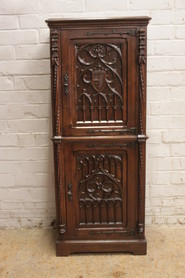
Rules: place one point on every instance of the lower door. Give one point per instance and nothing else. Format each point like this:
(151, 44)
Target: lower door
(101, 189)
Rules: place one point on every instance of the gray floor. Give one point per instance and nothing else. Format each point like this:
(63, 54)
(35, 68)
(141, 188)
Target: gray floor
(31, 253)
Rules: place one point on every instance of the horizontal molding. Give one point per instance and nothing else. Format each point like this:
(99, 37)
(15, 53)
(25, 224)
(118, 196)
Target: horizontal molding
(118, 139)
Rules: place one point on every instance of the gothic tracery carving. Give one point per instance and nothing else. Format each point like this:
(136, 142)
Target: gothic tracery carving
(100, 188)
(99, 82)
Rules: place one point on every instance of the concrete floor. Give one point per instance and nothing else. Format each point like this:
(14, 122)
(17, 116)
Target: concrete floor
(31, 253)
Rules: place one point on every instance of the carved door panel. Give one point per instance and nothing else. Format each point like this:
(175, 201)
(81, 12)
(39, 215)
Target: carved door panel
(99, 83)
(101, 193)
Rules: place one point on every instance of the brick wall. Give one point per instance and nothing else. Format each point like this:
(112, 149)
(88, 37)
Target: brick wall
(26, 171)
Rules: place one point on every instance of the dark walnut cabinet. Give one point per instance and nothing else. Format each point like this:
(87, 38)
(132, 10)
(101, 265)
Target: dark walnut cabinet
(98, 77)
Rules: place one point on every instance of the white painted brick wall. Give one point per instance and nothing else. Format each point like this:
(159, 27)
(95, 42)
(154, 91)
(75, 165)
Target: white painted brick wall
(26, 162)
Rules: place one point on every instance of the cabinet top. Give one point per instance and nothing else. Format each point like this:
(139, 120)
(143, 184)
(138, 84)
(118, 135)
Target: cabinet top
(74, 22)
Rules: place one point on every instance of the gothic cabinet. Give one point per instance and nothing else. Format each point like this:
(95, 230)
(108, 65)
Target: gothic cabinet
(98, 76)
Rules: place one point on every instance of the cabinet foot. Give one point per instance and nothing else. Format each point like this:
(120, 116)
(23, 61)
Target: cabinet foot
(67, 247)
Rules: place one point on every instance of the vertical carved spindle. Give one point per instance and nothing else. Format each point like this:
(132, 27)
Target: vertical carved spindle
(142, 127)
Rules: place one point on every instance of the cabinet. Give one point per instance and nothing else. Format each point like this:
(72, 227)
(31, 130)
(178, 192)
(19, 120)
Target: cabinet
(98, 77)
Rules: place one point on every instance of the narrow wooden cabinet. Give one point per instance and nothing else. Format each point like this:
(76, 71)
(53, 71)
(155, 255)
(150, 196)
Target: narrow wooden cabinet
(98, 77)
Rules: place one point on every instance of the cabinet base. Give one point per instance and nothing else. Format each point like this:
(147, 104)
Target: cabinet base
(66, 247)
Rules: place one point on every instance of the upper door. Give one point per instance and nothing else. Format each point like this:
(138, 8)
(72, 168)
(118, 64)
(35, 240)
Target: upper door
(99, 82)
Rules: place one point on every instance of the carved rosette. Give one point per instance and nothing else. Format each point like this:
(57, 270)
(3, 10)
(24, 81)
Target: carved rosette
(142, 128)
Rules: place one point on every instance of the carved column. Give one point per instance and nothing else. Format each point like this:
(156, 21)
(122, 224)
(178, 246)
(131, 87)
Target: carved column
(142, 130)
(58, 146)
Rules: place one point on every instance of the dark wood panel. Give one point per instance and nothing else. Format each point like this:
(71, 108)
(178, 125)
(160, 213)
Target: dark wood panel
(102, 85)
(104, 189)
